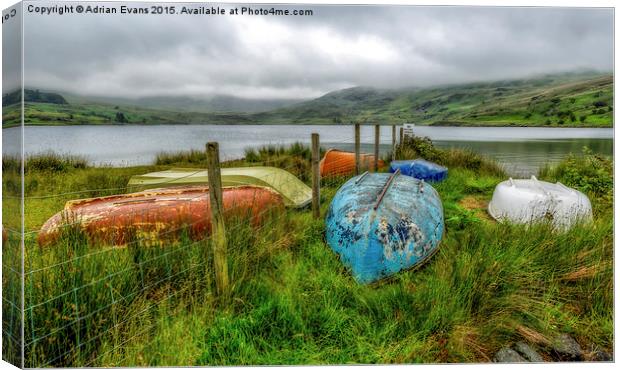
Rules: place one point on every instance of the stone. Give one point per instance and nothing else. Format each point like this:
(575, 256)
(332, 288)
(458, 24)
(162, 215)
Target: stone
(567, 348)
(508, 355)
(528, 352)
(602, 356)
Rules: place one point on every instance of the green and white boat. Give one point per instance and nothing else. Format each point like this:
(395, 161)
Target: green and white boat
(293, 191)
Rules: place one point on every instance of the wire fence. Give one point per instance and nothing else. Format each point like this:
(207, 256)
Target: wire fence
(84, 294)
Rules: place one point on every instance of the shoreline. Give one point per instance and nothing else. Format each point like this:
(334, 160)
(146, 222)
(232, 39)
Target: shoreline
(464, 124)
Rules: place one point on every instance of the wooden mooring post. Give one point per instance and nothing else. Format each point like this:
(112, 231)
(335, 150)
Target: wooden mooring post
(357, 150)
(402, 135)
(393, 142)
(316, 177)
(377, 141)
(218, 230)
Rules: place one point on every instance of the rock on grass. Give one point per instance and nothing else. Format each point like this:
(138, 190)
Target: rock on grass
(508, 355)
(602, 356)
(566, 348)
(528, 352)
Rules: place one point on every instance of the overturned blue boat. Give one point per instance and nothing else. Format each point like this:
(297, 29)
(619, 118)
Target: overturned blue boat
(381, 223)
(420, 169)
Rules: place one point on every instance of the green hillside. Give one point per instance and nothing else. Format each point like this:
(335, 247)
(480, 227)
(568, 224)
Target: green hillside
(212, 104)
(99, 114)
(571, 99)
(567, 100)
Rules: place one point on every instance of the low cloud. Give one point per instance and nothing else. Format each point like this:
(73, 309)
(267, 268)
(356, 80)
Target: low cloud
(304, 57)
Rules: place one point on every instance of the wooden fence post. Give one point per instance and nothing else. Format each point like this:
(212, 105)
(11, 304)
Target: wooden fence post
(316, 177)
(218, 231)
(357, 149)
(377, 141)
(402, 135)
(393, 142)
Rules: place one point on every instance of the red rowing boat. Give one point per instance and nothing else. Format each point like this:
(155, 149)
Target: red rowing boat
(338, 163)
(159, 214)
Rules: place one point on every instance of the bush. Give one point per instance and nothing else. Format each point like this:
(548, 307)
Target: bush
(422, 147)
(572, 117)
(590, 173)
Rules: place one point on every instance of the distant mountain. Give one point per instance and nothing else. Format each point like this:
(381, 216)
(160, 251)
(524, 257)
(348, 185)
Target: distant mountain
(33, 96)
(569, 98)
(214, 104)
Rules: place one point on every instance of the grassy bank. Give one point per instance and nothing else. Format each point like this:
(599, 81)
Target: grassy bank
(292, 302)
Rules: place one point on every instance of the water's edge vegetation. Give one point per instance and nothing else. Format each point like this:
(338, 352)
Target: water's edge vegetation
(292, 302)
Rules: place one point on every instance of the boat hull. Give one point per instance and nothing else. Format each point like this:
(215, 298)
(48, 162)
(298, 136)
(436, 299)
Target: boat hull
(159, 214)
(340, 163)
(420, 169)
(293, 191)
(525, 201)
(378, 231)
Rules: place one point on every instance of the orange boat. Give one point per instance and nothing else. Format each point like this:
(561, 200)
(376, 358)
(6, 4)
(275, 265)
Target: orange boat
(338, 162)
(158, 213)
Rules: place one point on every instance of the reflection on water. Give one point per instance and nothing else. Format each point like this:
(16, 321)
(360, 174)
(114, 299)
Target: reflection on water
(521, 150)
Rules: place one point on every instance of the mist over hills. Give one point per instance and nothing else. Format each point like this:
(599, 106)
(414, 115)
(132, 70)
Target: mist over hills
(218, 103)
(572, 99)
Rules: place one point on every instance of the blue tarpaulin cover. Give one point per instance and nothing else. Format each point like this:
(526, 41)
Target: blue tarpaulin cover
(420, 169)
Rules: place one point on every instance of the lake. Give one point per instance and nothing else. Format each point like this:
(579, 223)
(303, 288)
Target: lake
(522, 150)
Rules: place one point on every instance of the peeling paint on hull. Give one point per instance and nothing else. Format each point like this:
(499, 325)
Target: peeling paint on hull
(339, 163)
(403, 231)
(159, 214)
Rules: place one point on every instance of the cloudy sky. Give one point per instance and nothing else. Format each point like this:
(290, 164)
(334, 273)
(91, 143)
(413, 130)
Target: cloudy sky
(305, 57)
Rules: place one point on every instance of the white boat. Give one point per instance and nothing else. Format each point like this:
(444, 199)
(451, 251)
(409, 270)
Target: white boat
(525, 201)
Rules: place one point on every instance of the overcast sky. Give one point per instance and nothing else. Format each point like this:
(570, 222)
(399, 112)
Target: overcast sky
(305, 57)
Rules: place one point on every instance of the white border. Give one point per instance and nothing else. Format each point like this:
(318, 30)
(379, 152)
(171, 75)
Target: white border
(505, 3)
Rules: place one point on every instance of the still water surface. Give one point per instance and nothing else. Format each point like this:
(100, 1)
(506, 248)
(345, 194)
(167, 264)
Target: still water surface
(521, 150)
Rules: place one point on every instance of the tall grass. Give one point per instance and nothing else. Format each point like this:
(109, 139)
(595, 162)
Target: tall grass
(294, 157)
(49, 161)
(293, 302)
(81, 293)
(422, 147)
(192, 156)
